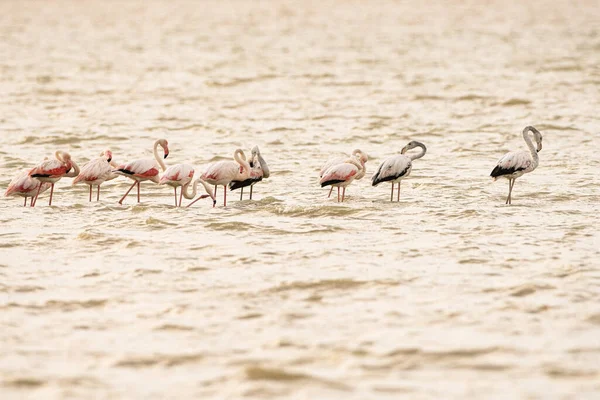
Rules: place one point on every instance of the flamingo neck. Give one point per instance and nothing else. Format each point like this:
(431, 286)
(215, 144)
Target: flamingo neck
(420, 154)
(190, 196)
(532, 149)
(237, 156)
(157, 157)
(263, 166)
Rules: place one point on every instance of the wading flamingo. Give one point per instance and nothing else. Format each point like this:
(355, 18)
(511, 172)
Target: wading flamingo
(51, 171)
(396, 168)
(96, 172)
(516, 163)
(176, 176)
(341, 175)
(190, 196)
(362, 157)
(25, 186)
(222, 173)
(145, 169)
(259, 170)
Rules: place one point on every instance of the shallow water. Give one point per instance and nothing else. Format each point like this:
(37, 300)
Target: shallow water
(448, 294)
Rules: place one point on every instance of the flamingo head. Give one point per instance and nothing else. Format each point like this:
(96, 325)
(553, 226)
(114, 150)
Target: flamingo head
(255, 152)
(538, 140)
(361, 155)
(63, 156)
(108, 155)
(165, 145)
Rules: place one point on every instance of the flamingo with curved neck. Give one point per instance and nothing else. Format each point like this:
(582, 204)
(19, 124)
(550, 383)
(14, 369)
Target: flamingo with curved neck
(52, 171)
(341, 175)
(190, 196)
(517, 163)
(259, 171)
(222, 173)
(362, 156)
(145, 169)
(96, 172)
(396, 168)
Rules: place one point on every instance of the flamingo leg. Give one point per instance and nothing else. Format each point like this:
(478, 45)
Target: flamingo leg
(330, 190)
(51, 192)
(511, 184)
(338, 191)
(251, 186)
(123, 198)
(138, 191)
(98, 195)
(90, 193)
(25, 204)
(392, 195)
(399, 183)
(241, 194)
(343, 193)
(175, 188)
(224, 196)
(215, 191)
(180, 196)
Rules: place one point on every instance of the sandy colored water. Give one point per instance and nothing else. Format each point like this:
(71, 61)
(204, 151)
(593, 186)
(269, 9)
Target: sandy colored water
(448, 294)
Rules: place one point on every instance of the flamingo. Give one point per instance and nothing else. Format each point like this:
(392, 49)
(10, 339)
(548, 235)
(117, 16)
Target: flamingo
(341, 175)
(25, 186)
(176, 176)
(516, 163)
(51, 171)
(258, 170)
(190, 196)
(96, 172)
(145, 169)
(396, 168)
(340, 160)
(222, 173)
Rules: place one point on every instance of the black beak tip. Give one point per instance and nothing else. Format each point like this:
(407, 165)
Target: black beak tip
(109, 160)
(166, 155)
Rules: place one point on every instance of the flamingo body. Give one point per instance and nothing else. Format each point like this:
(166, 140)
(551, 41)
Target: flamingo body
(222, 173)
(259, 169)
(342, 175)
(393, 170)
(396, 168)
(513, 165)
(51, 171)
(176, 176)
(517, 163)
(145, 169)
(25, 186)
(96, 172)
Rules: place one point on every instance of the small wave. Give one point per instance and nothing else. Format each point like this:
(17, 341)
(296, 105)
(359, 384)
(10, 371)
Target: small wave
(61, 305)
(174, 327)
(170, 360)
(315, 211)
(328, 284)
(239, 81)
(281, 375)
(28, 383)
(515, 102)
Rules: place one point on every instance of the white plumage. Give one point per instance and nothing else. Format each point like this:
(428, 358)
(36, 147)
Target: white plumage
(396, 168)
(516, 163)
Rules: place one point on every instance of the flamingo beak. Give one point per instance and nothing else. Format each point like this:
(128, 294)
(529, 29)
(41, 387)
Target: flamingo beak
(166, 154)
(404, 149)
(109, 160)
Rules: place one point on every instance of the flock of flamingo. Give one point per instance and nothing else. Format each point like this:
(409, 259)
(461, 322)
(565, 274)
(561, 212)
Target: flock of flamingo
(240, 172)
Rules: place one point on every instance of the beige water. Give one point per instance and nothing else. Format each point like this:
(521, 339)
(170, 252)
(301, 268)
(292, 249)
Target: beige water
(447, 294)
